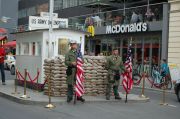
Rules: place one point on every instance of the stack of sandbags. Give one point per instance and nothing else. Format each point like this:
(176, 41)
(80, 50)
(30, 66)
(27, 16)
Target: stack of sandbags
(57, 76)
(47, 73)
(95, 75)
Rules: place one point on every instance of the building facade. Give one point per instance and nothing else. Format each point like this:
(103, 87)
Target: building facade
(115, 23)
(174, 32)
(11, 11)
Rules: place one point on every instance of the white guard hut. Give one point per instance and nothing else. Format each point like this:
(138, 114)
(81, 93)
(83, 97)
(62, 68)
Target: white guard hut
(32, 48)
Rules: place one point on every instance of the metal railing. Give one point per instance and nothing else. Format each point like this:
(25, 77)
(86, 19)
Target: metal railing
(113, 17)
(146, 13)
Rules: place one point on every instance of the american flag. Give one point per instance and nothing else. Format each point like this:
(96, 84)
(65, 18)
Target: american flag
(127, 75)
(79, 86)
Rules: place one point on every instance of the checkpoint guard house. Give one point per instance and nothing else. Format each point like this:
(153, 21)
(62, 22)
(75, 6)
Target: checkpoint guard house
(32, 45)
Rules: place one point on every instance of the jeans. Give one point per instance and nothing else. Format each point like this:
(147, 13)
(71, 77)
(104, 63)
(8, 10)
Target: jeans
(2, 72)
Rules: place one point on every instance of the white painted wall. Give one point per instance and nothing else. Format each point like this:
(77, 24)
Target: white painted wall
(31, 63)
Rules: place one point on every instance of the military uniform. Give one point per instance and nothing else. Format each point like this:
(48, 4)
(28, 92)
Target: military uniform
(70, 57)
(115, 67)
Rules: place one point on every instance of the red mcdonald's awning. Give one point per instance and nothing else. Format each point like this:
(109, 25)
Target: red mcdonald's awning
(3, 38)
(2, 30)
(10, 44)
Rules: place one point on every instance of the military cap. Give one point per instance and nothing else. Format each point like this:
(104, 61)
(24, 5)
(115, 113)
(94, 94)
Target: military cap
(72, 41)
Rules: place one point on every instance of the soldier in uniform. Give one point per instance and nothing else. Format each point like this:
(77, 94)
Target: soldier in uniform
(70, 61)
(115, 67)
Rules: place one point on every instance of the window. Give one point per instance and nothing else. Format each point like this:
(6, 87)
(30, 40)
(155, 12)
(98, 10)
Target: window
(18, 49)
(31, 11)
(25, 48)
(69, 3)
(33, 48)
(63, 46)
(47, 49)
(42, 8)
(58, 4)
(81, 2)
(22, 13)
(39, 48)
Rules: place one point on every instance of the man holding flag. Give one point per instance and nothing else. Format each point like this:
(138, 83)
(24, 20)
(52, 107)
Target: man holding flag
(74, 61)
(115, 67)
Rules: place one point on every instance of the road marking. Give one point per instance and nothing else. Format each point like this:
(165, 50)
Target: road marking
(172, 105)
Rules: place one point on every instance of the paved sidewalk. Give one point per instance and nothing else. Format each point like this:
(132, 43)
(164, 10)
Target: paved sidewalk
(38, 98)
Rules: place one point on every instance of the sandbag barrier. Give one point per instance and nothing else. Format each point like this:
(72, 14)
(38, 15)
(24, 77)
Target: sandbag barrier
(95, 75)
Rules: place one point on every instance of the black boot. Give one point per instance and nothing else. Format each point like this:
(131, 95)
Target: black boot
(69, 99)
(107, 98)
(115, 89)
(118, 97)
(70, 93)
(80, 99)
(108, 91)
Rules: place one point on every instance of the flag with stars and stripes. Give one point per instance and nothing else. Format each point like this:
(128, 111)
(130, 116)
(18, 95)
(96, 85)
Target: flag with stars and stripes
(127, 81)
(79, 86)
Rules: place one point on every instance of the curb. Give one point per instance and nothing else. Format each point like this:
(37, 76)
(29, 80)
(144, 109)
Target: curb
(21, 101)
(61, 102)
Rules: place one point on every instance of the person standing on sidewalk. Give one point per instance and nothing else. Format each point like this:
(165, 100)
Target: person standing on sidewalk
(70, 61)
(2, 55)
(164, 68)
(115, 67)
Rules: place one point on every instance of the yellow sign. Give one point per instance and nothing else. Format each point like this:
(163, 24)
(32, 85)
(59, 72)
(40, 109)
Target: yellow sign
(91, 30)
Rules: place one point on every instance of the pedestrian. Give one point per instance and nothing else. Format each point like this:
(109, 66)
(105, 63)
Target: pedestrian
(2, 55)
(115, 67)
(70, 61)
(134, 18)
(164, 68)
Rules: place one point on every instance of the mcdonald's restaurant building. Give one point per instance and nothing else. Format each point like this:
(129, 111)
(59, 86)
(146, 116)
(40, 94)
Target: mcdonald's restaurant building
(149, 39)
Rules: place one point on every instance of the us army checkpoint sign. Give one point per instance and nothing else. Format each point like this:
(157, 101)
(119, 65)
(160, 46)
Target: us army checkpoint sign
(36, 22)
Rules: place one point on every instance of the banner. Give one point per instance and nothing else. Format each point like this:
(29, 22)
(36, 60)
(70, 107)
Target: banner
(174, 72)
(36, 22)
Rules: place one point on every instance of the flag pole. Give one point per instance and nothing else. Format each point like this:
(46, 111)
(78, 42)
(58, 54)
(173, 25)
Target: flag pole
(126, 92)
(128, 75)
(126, 97)
(124, 12)
(75, 97)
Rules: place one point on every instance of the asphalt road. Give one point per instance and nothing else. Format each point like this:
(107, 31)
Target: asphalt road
(110, 110)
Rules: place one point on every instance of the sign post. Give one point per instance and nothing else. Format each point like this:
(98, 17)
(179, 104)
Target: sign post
(50, 48)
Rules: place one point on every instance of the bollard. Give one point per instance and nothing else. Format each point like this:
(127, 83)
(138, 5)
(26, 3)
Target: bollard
(50, 105)
(25, 77)
(163, 102)
(15, 84)
(143, 86)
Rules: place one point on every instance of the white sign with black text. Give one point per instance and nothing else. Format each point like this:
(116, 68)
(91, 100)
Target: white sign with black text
(127, 28)
(36, 22)
(46, 14)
